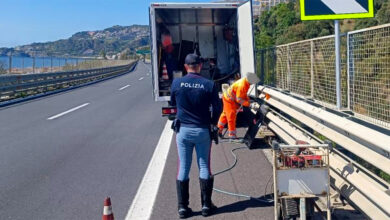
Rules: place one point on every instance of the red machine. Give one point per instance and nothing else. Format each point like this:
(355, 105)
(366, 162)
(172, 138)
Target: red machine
(301, 161)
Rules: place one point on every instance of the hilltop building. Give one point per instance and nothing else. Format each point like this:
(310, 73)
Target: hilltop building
(260, 5)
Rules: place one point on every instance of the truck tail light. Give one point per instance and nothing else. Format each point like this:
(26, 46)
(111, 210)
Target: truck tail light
(169, 111)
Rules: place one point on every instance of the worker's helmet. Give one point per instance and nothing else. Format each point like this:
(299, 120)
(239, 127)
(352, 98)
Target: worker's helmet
(252, 78)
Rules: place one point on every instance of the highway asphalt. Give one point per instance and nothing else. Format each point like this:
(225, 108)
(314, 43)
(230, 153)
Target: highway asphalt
(61, 155)
(251, 176)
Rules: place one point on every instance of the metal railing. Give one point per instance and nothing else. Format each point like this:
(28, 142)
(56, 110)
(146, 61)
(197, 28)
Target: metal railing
(20, 65)
(369, 73)
(360, 186)
(307, 68)
(20, 85)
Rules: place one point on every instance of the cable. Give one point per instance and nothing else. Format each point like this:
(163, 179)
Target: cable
(237, 194)
(226, 77)
(266, 186)
(234, 164)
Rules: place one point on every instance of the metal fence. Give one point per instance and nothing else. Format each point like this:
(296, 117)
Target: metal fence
(307, 68)
(369, 73)
(22, 65)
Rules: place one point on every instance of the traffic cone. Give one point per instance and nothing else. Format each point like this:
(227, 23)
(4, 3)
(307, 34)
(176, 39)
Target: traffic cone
(165, 73)
(107, 210)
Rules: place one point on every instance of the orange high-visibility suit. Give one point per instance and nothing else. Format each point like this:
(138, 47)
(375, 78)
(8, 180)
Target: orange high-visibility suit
(235, 96)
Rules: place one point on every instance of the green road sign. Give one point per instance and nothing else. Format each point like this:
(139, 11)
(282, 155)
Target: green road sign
(336, 9)
(143, 51)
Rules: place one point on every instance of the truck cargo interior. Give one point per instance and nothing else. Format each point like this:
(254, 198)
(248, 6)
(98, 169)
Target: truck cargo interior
(211, 33)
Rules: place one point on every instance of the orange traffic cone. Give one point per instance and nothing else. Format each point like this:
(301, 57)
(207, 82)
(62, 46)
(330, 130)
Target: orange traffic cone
(107, 210)
(165, 73)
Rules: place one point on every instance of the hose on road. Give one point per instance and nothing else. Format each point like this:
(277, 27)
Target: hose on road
(262, 199)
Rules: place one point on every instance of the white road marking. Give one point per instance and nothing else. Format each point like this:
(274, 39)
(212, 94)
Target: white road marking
(344, 6)
(142, 205)
(124, 87)
(141, 78)
(69, 111)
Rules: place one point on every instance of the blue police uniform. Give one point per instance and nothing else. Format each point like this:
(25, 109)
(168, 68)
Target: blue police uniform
(194, 97)
(198, 106)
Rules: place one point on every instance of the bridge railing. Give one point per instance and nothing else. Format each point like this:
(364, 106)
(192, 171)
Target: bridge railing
(307, 68)
(21, 85)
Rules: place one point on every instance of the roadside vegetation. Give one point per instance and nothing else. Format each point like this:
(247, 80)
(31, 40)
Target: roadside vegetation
(110, 41)
(282, 24)
(93, 64)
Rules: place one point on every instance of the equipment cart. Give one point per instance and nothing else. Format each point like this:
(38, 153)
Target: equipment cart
(301, 176)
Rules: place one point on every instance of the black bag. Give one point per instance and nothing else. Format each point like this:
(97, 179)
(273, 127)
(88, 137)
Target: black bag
(254, 126)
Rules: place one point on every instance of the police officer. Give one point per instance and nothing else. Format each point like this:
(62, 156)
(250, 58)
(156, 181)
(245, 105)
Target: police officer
(194, 97)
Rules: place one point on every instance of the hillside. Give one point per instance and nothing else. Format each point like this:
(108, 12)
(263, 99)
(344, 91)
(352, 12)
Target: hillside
(282, 24)
(112, 40)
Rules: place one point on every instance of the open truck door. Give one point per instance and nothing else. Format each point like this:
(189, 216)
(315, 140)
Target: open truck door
(245, 38)
(222, 33)
(153, 57)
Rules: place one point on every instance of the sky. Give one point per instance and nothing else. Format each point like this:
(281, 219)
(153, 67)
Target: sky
(27, 21)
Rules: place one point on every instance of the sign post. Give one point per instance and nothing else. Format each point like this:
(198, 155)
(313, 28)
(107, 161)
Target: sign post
(143, 53)
(337, 64)
(336, 10)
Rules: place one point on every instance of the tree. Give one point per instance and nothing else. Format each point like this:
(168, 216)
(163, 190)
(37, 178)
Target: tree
(282, 24)
(383, 15)
(125, 55)
(381, 8)
(103, 54)
(3, 69)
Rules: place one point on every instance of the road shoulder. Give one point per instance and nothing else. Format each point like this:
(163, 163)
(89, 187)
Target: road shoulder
(250, 177)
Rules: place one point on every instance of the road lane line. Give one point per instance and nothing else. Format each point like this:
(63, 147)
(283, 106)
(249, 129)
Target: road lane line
(143, 202)
(124, 87)
(69, 111)
(141, 78)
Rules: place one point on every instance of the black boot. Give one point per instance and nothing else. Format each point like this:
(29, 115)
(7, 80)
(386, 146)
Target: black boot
(182, 188)
(206, 189)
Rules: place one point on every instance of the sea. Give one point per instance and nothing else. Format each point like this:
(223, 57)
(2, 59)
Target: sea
(27, 62)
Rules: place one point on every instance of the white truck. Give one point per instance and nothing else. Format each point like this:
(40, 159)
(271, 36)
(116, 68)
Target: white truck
(221, 33)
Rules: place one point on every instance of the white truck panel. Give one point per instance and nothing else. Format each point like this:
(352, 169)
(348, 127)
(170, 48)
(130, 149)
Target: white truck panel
(154, 51)
(222, 57)
(206, 41)
(188, 33)
(245, 38)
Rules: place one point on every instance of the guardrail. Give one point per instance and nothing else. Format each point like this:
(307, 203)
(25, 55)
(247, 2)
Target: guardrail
(15, 86)
(368, 192)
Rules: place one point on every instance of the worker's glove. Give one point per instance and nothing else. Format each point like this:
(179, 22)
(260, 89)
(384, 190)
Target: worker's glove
(254, 106)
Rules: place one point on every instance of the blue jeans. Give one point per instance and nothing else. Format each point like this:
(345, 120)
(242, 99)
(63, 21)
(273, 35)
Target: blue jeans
(186, 140)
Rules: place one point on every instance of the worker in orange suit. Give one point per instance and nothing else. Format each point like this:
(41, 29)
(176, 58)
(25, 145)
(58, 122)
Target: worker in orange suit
(233, 97)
